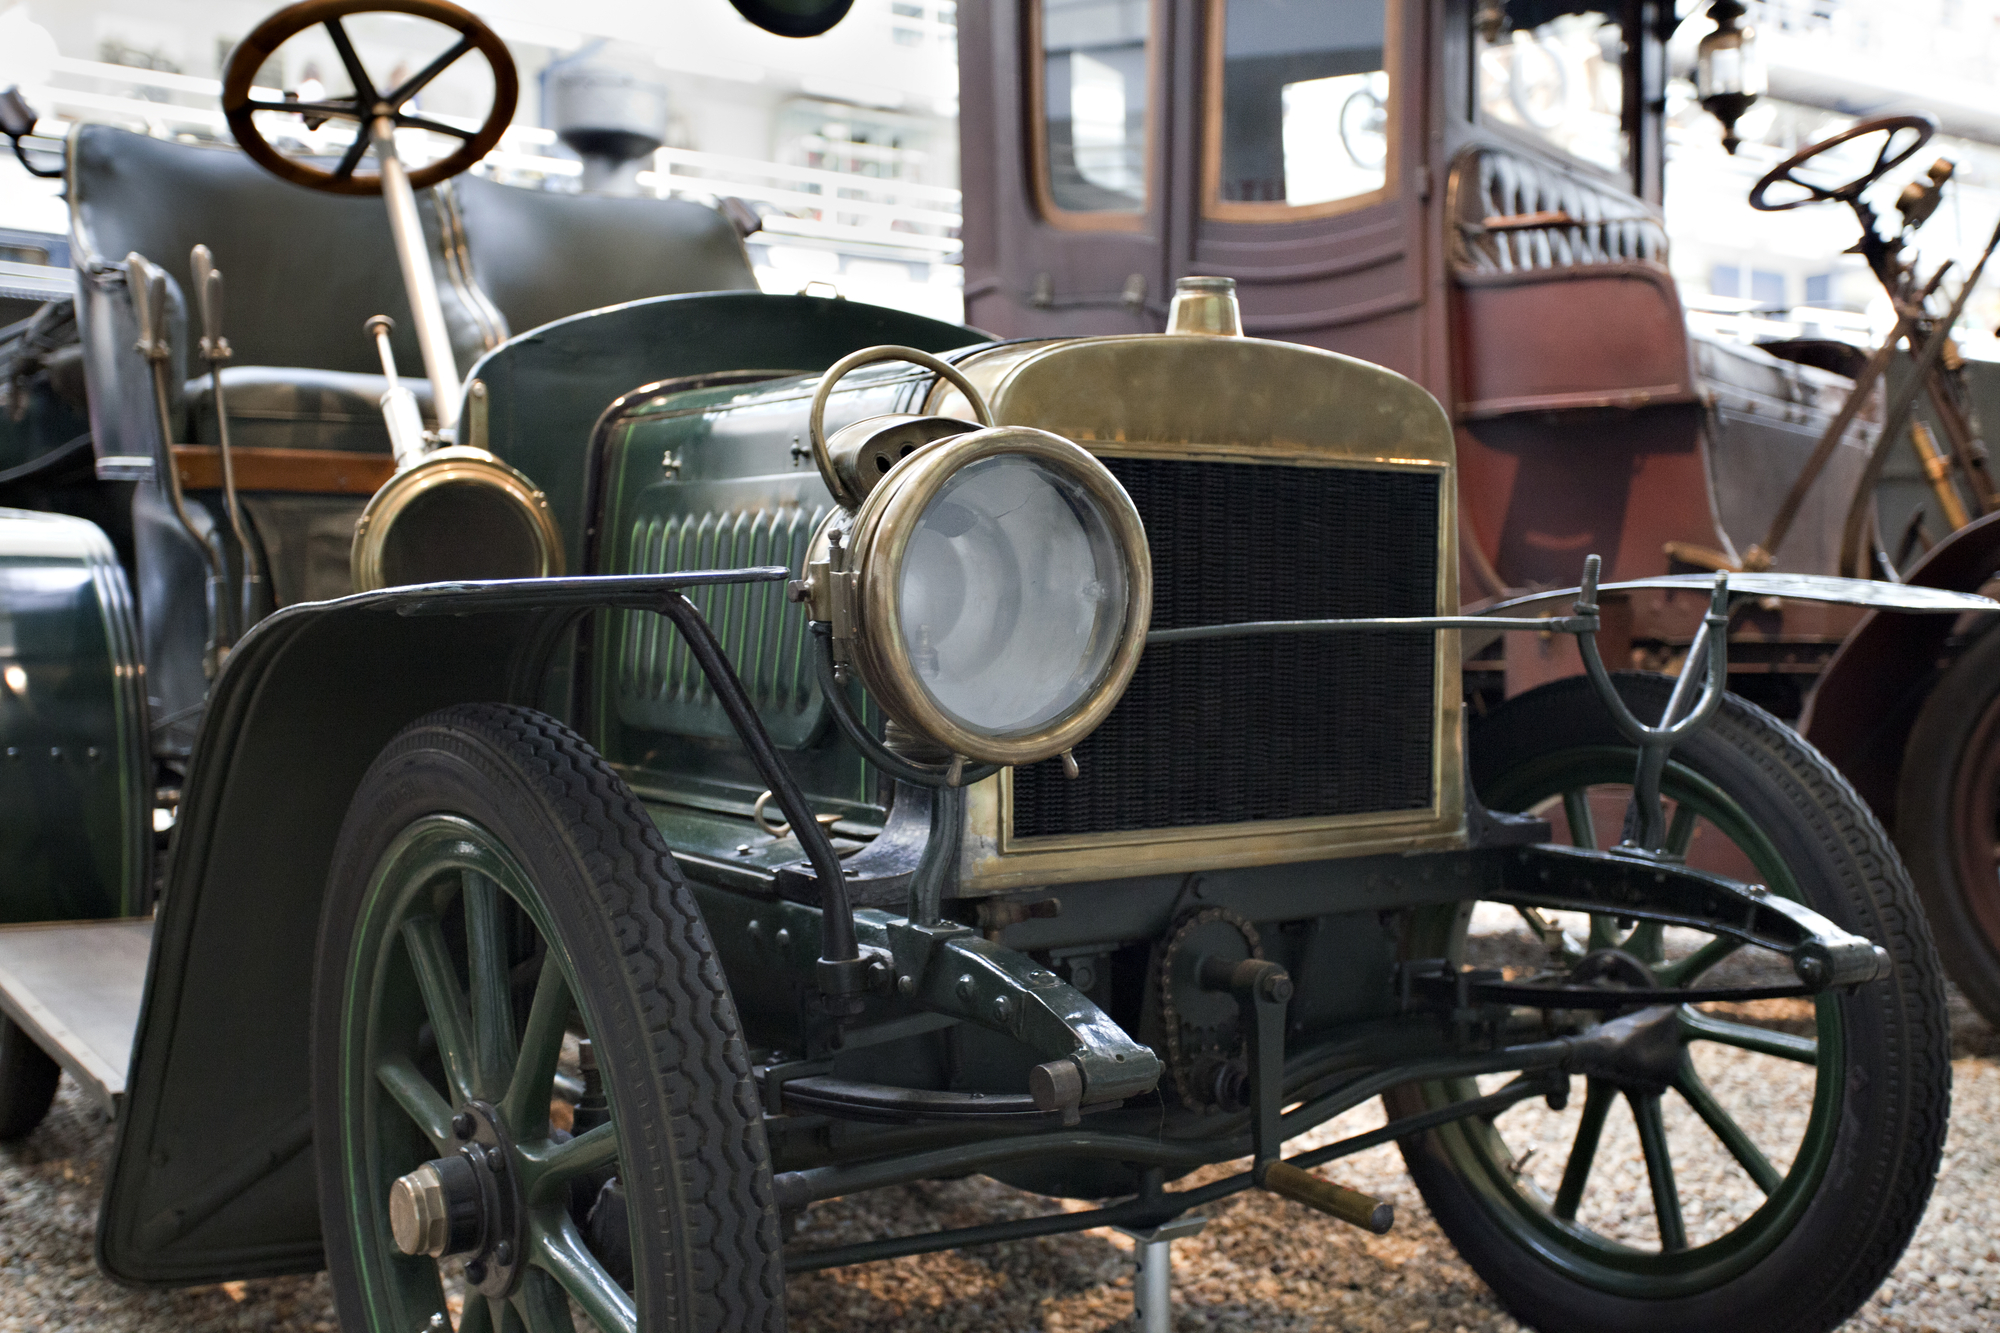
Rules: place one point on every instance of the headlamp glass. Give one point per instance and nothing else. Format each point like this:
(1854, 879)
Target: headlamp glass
(1012, 595)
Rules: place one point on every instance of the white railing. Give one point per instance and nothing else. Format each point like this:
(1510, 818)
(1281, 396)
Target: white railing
(872, 215)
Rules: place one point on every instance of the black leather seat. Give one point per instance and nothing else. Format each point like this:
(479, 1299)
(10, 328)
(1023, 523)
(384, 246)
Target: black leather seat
(303, 271)
(541, 256)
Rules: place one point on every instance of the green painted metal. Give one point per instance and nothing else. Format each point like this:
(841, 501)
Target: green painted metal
(716, 478)
(75, 774)
(1547, 1229)
(442, 875)
(205, 1187)
(545, 389)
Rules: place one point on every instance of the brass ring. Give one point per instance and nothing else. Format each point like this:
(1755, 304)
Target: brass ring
(878, 538)
(868, 356)
(783, 829)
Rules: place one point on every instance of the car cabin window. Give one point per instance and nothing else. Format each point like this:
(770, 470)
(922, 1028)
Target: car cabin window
(1561, 81)
(1300, 117)
(1093, 73)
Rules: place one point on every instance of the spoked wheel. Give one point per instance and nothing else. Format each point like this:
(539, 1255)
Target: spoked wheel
(1768, 1172)
(366, 101)
(500, 896)
(1901, 136)
(1948, 819)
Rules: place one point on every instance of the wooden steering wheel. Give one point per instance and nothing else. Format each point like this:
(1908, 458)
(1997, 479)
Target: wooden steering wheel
(367, 104)
(1889, 126)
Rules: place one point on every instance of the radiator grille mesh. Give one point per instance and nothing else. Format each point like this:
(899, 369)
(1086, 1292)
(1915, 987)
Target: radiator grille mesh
(1286, 727)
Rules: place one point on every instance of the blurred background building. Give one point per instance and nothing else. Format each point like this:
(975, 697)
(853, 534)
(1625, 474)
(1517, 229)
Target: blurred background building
(847, 145)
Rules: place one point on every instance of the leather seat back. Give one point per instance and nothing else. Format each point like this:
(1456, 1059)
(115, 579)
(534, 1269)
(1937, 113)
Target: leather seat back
(542, 256)
(302, 270)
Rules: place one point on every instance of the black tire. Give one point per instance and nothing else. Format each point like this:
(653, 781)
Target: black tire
(1822, 1237)
(1948, 819)
(587, 883)
(28, 1079)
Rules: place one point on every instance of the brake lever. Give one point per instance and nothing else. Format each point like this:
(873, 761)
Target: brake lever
(148, 285)
(215, 350)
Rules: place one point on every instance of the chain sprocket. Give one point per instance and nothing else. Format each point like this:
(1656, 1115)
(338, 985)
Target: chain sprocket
(1178, 1062)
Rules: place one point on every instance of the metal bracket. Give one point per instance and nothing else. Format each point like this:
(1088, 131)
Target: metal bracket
(949, 969)
(1706, 667)
(1653, 888)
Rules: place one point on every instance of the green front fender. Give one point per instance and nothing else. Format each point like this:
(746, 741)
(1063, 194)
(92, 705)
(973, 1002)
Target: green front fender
(76, 788)
(211, 1177)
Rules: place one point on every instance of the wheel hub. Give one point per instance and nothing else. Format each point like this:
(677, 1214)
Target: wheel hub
(466, 1205)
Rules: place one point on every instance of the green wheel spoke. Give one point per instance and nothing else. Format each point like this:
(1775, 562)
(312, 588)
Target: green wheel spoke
(1583, 1150)
(1747, 1154)
(526, 1105)
(1699, 1026)
(543, 1307)
(1687, 970)
(403, 1081)
(1680, 830)
(451, 1022)
(492, 1004)
(506, 1319)
(561, 1251)
(1646, 942)
(547, 1166)
(1659, 1169)
(1576, 809)
(478, 1315)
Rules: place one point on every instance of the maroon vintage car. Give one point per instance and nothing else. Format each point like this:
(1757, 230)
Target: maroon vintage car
(1468, 192)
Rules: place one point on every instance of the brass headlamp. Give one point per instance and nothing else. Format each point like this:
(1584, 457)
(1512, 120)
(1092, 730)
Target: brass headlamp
(991, 584)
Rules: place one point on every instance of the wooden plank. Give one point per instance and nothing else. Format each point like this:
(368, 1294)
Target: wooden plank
(319, 471)
(76, 987)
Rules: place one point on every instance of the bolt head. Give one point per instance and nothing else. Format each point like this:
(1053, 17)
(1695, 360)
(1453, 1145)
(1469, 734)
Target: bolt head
(503, 1253)
(419, 1219)
(475, 1272)
(463, 1124)
(1003, 1008)
(783, 937)
(906, 984)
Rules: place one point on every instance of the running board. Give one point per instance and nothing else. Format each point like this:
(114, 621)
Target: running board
(75, 987)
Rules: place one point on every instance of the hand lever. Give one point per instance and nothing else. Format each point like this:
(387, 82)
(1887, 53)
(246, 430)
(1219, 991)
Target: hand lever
(215, 350)
(148, 285)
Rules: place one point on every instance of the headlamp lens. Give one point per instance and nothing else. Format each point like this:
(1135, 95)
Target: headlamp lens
(1013, 593)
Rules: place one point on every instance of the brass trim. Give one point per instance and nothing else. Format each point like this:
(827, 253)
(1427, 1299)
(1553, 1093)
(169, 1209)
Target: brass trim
(1213, 206)
(879, 538)
(1241, 401)
(1040, 186)
(441, 467)
(844, 494)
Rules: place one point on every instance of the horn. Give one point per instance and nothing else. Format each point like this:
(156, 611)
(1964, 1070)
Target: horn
(447, 514)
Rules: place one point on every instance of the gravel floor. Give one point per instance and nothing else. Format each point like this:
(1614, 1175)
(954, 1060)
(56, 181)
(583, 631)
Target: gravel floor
(1262, 1264)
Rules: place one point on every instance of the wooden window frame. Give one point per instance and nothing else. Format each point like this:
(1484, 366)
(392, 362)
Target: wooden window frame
(1216, 208)
(1040, 185)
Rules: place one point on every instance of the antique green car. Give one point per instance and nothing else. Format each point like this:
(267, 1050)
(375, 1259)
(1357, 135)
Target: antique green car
(780, 748)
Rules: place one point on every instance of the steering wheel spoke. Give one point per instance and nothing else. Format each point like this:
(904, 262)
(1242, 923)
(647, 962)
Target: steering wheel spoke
(434, 126)
(416, 83)
(357, 73)
(342, 110)
(351, 159)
